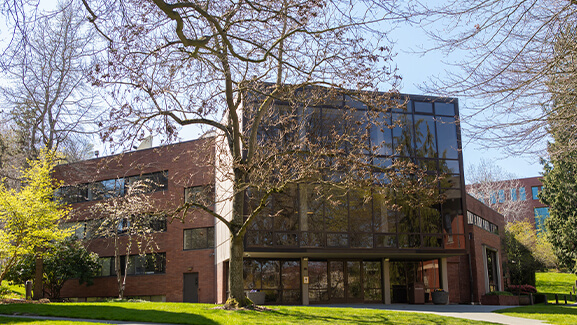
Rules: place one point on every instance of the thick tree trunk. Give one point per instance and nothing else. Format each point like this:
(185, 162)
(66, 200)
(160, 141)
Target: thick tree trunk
(235, 271)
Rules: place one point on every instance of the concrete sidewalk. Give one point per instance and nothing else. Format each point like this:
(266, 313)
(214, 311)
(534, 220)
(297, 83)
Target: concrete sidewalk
(99, 321)
(473, 312)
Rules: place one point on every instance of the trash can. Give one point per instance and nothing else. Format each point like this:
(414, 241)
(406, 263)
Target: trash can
(417, 293)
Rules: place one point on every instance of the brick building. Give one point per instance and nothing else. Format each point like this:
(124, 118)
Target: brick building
(519, 195)
(183, 270)
(306, 252)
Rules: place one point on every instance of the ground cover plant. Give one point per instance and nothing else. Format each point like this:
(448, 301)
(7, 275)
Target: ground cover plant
(179, 313)
(551, 283)
(12, 291)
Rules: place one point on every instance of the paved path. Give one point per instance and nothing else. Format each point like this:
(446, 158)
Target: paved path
(473, 312)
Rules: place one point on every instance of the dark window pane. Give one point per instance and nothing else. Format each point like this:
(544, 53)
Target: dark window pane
(409, 241)
(447, 137)
(402, 134)
(431, 220)
(312, 239)
(445, 109)
(291, 275)
(385, 241)
(198, 238)
(337, 240)
(286, 239)
(381, 136)
(361, 240)
(423, 107)
(425, 136)
(336, 212)
(449, 166)
(433, 241)
(360, 207)
(270, 274)
(409, 220)
(251, 274)
(318, 281)
(285, 208)
(337, 275)
(385, 219)
(354, 279)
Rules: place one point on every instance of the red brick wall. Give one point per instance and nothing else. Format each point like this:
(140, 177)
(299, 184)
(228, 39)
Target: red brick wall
(188, 164)
(482, 238)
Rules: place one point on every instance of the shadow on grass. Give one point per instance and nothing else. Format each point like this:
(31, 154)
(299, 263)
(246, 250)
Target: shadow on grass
(106, 312)
(551, 297)
(541, 309)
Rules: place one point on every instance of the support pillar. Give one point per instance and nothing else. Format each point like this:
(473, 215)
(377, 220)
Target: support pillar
(444, 274)
(386, 281)
(305, 280)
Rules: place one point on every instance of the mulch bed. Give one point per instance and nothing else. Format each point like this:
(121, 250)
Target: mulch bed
(24, 301)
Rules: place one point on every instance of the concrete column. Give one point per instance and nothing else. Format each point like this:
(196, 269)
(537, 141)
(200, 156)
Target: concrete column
(386, 281)
(444, 274)
(305, 280)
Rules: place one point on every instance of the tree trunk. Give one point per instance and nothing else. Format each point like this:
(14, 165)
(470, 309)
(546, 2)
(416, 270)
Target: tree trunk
(235, 272)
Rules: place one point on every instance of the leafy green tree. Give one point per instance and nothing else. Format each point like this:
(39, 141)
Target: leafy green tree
(536, 242)
(560, 177)
(522, 265)
(560, 193)
(63, 260)
(29, 216)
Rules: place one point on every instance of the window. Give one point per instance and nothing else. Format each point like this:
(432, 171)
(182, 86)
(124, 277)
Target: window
(513, 194)
(137, 264)
(493, 198)
(203, 194)
(157, 181)
(535, 192)
(540, 215)
(501, 196)
(491, 269)
(199, 238)
(522, 194)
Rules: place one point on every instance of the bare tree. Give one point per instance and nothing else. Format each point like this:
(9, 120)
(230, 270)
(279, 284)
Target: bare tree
(508, 53)
(51, 105)
(497, 189)
(257, 73)
(131, 222)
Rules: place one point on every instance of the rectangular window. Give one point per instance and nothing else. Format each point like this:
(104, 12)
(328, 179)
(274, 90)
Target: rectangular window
(137, 264)
(540, 215)
(157, 181)
(514, 194)
(535, 192)
(203, 194)
(501, 196)
(522, 194)
(493, 198)
(199, 238)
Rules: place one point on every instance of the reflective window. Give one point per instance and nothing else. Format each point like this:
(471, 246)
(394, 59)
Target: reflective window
(198, 238)
(540, 215)
(522, 194)
(423, 107)
(425, 143)
(447, 137)
(535, 192)
(514, 194)
(501, 196)
(447, 109)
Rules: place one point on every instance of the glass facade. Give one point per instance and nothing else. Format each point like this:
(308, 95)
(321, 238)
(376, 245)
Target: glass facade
(317, 216)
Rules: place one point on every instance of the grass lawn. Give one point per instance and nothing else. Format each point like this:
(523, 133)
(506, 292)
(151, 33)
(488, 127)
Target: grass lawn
(180, 313)
(551, 283)
(552, 314)
(16, 291)
(27, 321)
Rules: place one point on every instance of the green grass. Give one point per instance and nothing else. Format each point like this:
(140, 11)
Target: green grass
(555, 283)
(552, 314)
(16, 291)
(180, 313)
(28, 321)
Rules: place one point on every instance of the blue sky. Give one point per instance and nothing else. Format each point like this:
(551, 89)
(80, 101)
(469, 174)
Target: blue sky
(417, 69)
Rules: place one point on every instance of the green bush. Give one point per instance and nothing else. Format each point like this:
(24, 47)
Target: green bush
(4, 290)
